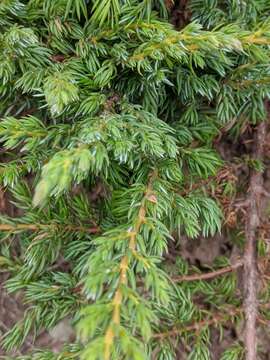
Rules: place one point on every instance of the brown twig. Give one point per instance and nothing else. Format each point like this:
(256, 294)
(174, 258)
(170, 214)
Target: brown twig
(58, 58)
(28, 112)
(209, 275)
(36, 227)
(250, 253)
(217, 318)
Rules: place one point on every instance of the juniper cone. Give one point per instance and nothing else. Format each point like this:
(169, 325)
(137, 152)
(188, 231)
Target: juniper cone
(112, 116)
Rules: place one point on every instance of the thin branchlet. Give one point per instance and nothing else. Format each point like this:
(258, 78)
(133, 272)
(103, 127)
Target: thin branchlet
(124, 264)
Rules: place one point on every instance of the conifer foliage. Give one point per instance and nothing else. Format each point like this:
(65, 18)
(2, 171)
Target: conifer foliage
(109, 116)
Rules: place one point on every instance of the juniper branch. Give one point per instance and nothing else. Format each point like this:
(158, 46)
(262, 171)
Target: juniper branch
(124, 264)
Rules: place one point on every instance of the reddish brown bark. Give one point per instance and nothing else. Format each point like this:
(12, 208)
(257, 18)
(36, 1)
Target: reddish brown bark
(250, 253)
(209, 275)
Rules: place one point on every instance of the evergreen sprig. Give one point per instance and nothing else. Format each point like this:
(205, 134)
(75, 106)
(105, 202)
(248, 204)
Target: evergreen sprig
(108, 119)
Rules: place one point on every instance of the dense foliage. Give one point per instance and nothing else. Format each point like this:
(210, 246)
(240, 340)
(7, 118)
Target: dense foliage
(109, 117)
